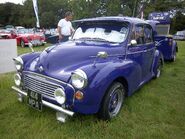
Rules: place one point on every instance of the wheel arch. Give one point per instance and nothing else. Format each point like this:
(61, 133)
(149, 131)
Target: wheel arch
(120, 79)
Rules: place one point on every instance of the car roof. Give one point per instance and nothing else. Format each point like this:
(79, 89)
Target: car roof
(113, 18)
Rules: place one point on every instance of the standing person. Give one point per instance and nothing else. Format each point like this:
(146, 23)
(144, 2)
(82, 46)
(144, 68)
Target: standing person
(65, 28)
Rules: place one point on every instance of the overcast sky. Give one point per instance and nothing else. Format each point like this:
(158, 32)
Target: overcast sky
(13, 1)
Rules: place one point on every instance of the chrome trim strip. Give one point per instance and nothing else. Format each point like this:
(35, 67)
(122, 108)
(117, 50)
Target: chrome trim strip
(114, 55)
(50, 78)
(144, 51)
(53, 106)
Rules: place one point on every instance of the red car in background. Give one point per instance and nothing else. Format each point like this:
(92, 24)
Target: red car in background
(24, 37)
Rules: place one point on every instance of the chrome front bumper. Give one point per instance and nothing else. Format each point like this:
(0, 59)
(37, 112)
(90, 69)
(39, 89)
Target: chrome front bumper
(61, 114)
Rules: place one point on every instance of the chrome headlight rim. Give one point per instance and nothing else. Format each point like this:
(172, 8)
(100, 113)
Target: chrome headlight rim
(17, 79)
(77, 76)
(60, 95)
(18, 63)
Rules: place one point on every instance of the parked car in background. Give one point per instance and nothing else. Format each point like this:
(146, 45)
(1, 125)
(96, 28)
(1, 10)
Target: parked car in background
(9, 27)
(19, 27)
(24, 37)
(52, 36)
(164, 42)
(5, 34)
(107, 59)
(180, 35)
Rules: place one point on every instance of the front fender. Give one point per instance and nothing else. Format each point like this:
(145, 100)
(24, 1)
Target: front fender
(29, 57)
(102, 78)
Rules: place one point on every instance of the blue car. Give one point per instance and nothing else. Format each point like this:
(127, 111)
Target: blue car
(106, 60)
(164, 42)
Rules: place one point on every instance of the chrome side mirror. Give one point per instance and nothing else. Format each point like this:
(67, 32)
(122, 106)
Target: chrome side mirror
(102, 55)
(133, 42)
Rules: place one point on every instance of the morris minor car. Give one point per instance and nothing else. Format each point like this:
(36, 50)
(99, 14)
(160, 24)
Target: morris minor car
(164, 42)
(106, 60)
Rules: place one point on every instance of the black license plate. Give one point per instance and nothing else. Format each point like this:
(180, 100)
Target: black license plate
(35, 100)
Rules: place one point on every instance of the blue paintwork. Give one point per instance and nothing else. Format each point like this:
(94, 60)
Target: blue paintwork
(135, 65)
(165, 43)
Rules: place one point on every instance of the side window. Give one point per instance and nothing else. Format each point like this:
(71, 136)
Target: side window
(148, 36)
(139, 34)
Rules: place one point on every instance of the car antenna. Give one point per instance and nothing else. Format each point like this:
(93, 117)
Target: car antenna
(31, 47)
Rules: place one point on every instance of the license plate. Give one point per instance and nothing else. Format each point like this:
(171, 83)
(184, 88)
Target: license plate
(35, 100)
(36, 42)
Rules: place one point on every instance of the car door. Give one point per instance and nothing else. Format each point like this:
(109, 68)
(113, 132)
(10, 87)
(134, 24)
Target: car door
(142, 52)
(149, 50)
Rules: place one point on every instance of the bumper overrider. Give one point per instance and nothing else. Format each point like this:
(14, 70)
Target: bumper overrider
(42, 85)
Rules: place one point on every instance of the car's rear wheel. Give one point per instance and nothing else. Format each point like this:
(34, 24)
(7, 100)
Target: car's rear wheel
(112, 101)
(174, 57)
(22, 44)
(159, 68)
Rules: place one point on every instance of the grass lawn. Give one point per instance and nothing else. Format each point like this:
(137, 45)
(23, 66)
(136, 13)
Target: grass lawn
(156, 111)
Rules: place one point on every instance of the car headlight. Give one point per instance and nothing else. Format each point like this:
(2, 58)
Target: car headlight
(18, 63)
(17, 79)
(79, 79)
(60, 95)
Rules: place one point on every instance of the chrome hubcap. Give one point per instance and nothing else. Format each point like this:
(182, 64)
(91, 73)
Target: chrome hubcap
(115, 102)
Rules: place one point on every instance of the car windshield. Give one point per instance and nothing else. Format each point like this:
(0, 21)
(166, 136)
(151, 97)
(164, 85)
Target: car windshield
(163, 29)
(24, 31)
(114, 32)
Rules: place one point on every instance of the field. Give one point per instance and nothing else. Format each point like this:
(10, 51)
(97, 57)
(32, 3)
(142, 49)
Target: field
(156, 111)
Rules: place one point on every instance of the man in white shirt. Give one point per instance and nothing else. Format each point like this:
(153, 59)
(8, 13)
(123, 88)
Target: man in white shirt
(65, 28)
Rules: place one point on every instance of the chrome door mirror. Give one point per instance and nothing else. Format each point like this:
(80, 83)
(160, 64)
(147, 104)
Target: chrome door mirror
(133, 42)
(100, 55)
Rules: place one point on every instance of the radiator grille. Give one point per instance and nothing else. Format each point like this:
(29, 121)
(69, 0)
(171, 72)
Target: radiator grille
(40, 85)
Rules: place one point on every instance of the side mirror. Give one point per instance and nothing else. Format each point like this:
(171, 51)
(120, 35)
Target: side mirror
(133, 42)
(102, 54)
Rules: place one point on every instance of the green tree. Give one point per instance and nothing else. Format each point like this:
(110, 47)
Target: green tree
(178, 23)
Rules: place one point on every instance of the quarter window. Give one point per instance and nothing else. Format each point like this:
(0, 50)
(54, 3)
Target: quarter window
(148, 34)
(139, 34)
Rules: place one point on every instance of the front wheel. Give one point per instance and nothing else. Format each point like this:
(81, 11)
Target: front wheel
(112, 102)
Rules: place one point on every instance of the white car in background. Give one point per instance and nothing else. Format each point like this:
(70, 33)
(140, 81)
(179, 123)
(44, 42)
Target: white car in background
(180, 35)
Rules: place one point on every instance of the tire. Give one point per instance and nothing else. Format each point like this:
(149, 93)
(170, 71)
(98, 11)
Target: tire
(159, 68)
(22, 44)
(112, 101)
(174, 57)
